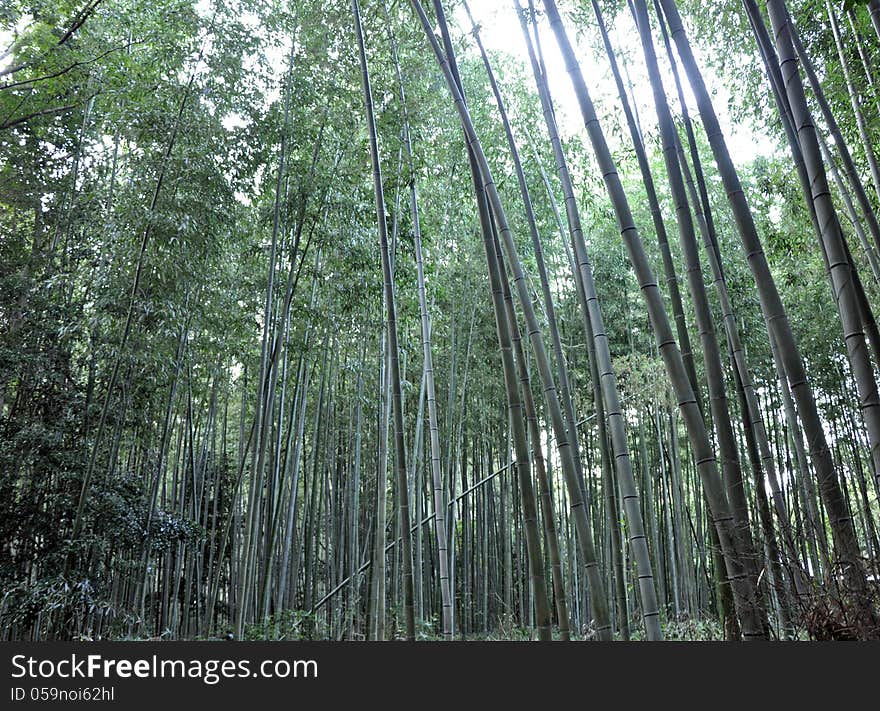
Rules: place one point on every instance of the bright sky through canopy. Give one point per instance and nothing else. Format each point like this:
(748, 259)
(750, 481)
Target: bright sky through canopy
(501, 34)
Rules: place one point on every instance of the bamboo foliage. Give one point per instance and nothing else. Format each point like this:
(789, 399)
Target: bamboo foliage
(334, 325)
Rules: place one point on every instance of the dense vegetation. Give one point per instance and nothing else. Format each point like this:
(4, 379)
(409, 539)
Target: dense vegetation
(323, 320)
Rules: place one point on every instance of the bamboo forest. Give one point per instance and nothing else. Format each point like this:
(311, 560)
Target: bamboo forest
(422, 320)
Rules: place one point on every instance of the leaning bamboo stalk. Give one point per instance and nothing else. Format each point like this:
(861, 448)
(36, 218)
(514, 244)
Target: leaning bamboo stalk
(393, 348)
(534, 330)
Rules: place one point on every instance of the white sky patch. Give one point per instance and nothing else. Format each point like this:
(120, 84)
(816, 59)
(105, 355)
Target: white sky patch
(233, 121)
(7, 39)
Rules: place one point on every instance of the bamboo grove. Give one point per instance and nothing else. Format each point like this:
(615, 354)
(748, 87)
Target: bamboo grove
(334, 320)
